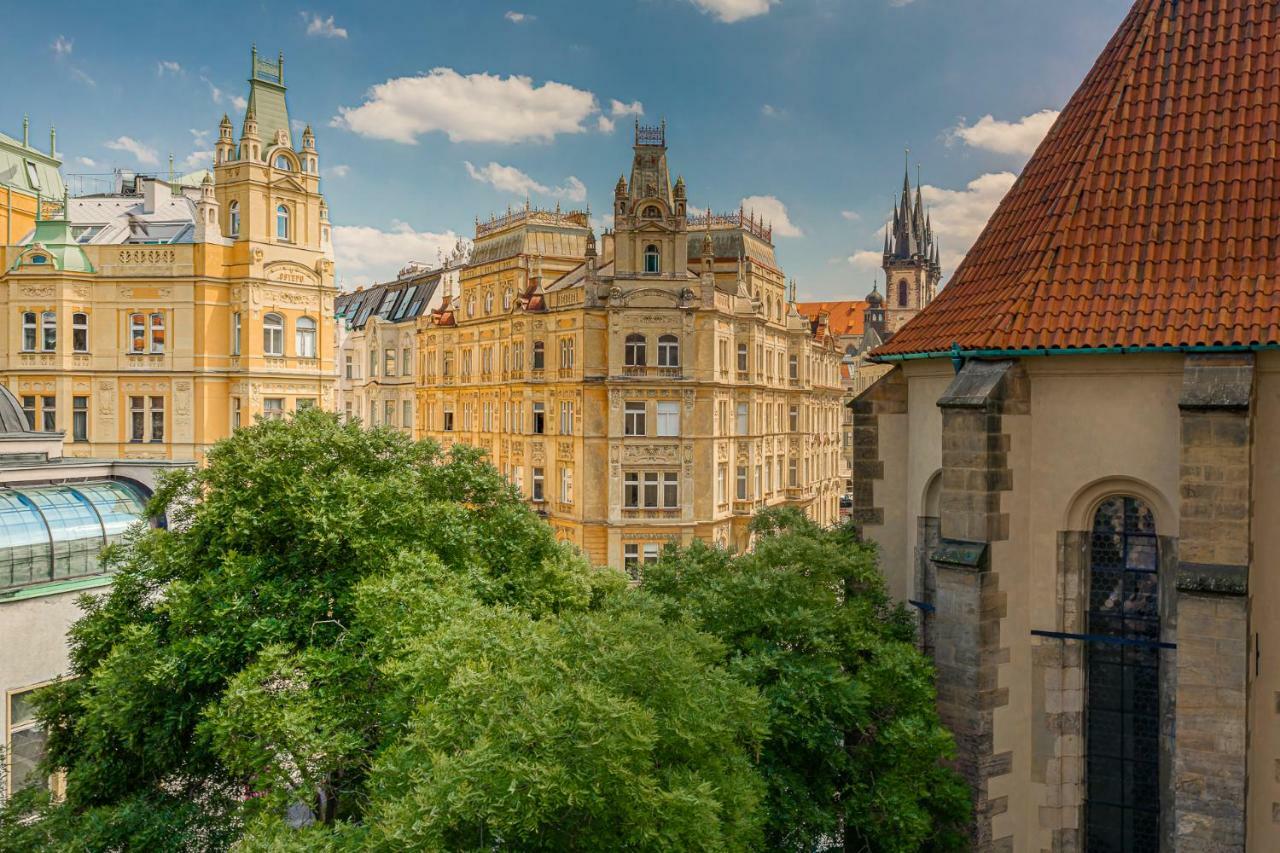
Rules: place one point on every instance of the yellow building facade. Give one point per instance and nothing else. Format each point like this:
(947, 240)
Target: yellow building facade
(150, 321)
(658, 387)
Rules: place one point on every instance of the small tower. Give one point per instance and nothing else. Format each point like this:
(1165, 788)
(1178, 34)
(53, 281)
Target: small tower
(679, 195)
(911, 259)
(250, 142)
(873, 314)
(310, 162)
(207, 212)
(224, 150)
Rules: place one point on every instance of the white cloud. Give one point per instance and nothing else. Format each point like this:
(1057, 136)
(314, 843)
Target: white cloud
(199, 138)
(867, 259)
(468, 108)
(771, 210)
(364, 254)
(851, 215)
(729, 11)
(239, 102)
(218, 96)
(87, 162)
(512, 180)
(1005, 137)
(323, 27)
(519, 17)
(604, 124)
(770, 111)
(197, 160)
(142, 153)
(168, 66)
(618, 108)
(62, 46)
(83, 76)
(338, 170)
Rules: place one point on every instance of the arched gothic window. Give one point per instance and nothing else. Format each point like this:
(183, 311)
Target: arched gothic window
(902, 293)
(635, 351)
(668, 351)
(1122, 714)
(652, 260)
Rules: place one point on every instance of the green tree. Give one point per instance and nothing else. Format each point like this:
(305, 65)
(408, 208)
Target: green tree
(855, 747)
(366, 632)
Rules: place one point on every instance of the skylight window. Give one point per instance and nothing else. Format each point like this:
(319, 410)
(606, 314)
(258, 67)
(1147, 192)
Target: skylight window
(33, 175)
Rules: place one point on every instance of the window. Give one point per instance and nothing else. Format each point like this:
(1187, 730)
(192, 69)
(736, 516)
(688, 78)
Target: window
(539, 418)
(1122, 713)
(282, 222)
(29, 331)
(634, 354)
(447, 425)
(157, 418)
(566, 485)
(447, 369)
(651, 489)
(373, 361)
(406, 415)
(537, 492)
(668, 418)
(349, 366)
(304, 337)
(373, 413)
(48, 331)
(25, 745)
(742, 358)
(740, 424)
(273, 334)
(137, 418)
(303, 403)
(722, 483)
(652, 551)
(652, 212)
(49, 414)
(235, 333)
(235, 412)
(566, 353)
(631, 560)
(79, 418)
(80, 332)
(33, 175)
(793, 418)
(157, 334)
(29, 409)
(633, 416)
(506, 299)
(670, 489)
(389, 361)
(488, 302)
(652, 260)
(566, 417)
(793, 473)
(282, 162)
(471, 306)
(793, 367)
(539, 355)
(234, 218)
(389, 412)
(631, 489)
(273, 408)
(742, 483)
(406, 361)
(668, 351)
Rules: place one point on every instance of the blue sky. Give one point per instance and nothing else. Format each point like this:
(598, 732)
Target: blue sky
(428, 114)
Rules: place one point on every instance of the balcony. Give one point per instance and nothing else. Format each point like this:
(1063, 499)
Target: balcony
(651, 513)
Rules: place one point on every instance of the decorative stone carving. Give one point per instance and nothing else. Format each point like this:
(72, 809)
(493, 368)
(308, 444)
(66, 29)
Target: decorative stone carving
(38, 292)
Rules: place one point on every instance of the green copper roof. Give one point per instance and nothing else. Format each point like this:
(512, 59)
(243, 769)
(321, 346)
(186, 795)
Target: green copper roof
(28, 170)
(54, 235)
(266, 99)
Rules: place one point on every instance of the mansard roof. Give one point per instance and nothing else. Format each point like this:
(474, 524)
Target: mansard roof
(399, 301)
(1147, 217)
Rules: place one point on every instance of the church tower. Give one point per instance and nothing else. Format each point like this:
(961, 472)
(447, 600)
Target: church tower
(912, 266)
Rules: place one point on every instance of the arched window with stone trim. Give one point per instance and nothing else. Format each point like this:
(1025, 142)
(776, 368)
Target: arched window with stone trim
(282, 222)
(233, 216)
(1122, 671)
(668, 351)
(652, 260)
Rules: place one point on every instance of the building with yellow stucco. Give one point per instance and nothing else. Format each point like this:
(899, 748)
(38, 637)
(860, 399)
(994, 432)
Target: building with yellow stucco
(658, 387)
(148, 322)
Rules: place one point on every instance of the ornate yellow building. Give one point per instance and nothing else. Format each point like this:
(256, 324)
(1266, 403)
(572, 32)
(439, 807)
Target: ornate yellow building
(654, 389)
(150, 321)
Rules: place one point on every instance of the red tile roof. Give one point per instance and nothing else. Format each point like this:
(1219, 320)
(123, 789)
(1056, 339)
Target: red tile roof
(1150, 214)
(843, 318)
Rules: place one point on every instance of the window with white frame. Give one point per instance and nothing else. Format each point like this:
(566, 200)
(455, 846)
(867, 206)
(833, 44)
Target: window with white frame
(651, 490)
(273, 408)
(631, 559)
(668, 418)
(566, 417)
(634, 351)
(79, 332)
(304, 333)
(566, 484)
(742, 483)
(48, 331)
(233, 217)
(742, 358)
(28, 331)
(539, 418)
(537, 493)
(633, 419)
(24, 746)
(741, 424)
(282, 222)
(566, 353)
(668, 351)
(157, 333)
(235, 333)
(273, 334)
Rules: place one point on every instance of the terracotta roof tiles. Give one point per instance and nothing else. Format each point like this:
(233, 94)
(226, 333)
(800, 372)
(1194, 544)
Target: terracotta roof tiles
(1150, 214)
(843, 318)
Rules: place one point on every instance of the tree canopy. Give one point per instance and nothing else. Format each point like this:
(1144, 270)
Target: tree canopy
(348, 640)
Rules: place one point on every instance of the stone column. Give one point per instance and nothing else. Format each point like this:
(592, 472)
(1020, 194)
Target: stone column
(886, 396)
(1215, 482)
(970, 604)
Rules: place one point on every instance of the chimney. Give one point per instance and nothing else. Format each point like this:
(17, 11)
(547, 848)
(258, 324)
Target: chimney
(606, 246)
(154, 194)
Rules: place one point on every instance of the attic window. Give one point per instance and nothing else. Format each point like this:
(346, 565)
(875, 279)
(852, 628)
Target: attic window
(33, 176)
(282, 162)
(39, 259)
(652, 212)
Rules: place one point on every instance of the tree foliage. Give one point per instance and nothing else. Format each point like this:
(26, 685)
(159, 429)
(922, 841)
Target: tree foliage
(855, 743)
(380, 639)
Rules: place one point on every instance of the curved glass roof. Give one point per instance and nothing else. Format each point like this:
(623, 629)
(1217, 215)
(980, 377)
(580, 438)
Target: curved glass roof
(56, 532)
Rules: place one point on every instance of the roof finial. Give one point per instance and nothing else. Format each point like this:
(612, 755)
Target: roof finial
(53, 141)
(26, 125)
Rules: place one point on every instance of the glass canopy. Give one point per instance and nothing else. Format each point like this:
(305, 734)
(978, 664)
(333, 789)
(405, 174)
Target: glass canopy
(50, 533)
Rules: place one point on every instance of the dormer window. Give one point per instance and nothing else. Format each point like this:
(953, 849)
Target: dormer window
(652, 260)
(652, 212)
(282, 162)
